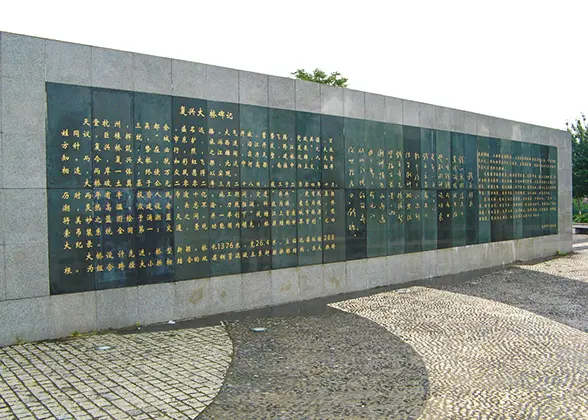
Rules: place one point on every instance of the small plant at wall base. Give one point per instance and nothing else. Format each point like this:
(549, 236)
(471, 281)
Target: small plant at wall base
(319, 76)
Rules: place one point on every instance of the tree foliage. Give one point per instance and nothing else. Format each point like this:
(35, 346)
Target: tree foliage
(319, 76)
(579, 133)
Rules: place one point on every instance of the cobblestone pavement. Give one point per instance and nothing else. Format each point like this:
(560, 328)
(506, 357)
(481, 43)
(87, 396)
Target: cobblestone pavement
(497, 347)
(330, 366)
(171, 374)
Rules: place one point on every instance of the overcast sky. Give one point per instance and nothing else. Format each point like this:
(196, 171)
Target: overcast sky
(523, 60)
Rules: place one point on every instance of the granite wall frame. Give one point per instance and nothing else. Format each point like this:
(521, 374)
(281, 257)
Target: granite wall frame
(29, 311)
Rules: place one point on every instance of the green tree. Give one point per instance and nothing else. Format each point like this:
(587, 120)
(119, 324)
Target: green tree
(579, 133)
(319, 76)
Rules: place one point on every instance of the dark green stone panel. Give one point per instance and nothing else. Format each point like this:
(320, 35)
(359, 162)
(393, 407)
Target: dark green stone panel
(355, 156)
(282, 148)
(333, 152)
(444, 219)
(375, 150)
(113, 139)
(506, 165)
(429, 217)
(116, 257)
(443, 157)
(502, 215)
(69, 136)
(472, 217)
(223, 145)
(255, 230)
(190, 143)
(396, 222)
(428, 158)
(356, 231)
(471, 161)
(412, 157)
(310, 226)
(308, 150)
(394, 155)
(254, 162)
(458, 167)
(536, 185)
(72, 240)
(517, 165)
(377, 222)
(459, 217)
(284, 233)
(414, 222)
(517, 211)
(553, 189)
(333, 225)
(484, 222)
(191, 233)
(155, 236)
(225, 231)
(153, 141)
(544, 192)
(483, 163)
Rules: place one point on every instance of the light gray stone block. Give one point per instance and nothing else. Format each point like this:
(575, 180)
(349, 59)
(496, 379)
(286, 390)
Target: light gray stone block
(69, 63)
(394, 267)
(117, 308)
(470, 123)
(112, 69)
(353, 103)
(73, 312)
(331, 100)
(192, 298)
(376, 272)
(412, 266)
(442, 118)
(222, 84)
(524, 249)
(457, 120)
(483, 125)
(257, 289)
(226, 293)
(308, 96)
(461, 259)
(2, 276)
(394, 110)
(444, 262)
(156, 303)
(285, 286)
(565, 242)
(357, 278)
(410, 113)
(26, 270)
(253, 88)
(375, 107)
(502, 253)
(282, 93)
(335, 278)
(428, 115)
(22, 57)
(23, 161)
(310, 281)
(516, 131)
(188, 79)
(23, 107)
(152, 74)
(24, 216)
(429, 263)
(25, 319)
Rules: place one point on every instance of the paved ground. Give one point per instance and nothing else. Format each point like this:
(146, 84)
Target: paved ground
(172, 374)
(510, 344)
(336, 365)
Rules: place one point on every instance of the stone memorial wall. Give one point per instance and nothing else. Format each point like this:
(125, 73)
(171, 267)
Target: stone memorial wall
(141, 189)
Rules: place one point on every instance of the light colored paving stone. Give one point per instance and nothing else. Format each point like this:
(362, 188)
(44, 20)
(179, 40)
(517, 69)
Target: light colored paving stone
(168, 374)
(486, 359)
